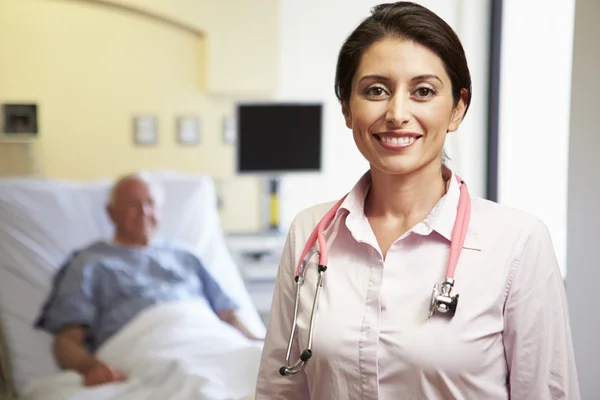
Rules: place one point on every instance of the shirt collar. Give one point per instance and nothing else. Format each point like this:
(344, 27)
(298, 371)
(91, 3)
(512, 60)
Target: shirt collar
(355, 200)
(440, 219)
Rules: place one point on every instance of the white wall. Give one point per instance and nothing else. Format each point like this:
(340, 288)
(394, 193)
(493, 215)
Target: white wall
(312, 32)
(534, 111)
(583, 244)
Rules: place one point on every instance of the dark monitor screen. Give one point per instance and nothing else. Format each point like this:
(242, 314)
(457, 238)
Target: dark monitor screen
(279, 137)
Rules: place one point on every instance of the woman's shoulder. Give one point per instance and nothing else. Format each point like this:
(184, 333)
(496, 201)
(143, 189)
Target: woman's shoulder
(313, 214)
(307, 219)
(499, 220)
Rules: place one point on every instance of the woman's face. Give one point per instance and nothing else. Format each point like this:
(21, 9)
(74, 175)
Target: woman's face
(401, 106)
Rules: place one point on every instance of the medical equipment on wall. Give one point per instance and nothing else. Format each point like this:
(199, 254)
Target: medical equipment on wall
(442, 299)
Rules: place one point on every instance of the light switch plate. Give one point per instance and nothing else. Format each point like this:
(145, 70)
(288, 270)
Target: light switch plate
(229, 130)
(145, 130)
(188, 130)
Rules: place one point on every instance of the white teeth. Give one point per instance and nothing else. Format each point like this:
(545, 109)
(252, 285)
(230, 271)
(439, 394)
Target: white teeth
(400, 141)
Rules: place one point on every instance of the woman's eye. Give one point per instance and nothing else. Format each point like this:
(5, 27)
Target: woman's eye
(425, 92)
(375, 91)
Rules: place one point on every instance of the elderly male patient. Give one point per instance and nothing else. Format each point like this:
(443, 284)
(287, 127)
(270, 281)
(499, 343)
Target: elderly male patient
(103, 286)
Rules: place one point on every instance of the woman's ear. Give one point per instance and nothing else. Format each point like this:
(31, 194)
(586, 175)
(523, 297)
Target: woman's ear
(459, 111)
(347, 114)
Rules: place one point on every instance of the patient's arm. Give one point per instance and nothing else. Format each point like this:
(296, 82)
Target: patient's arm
(232, 319)
(70, 351)
(71, 354)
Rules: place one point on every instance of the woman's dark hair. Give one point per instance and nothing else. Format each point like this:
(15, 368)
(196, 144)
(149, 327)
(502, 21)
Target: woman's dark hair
(408, 21)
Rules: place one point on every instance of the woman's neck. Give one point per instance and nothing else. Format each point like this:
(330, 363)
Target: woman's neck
(408, 197)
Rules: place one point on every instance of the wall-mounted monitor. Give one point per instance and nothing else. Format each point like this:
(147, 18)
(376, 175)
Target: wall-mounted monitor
(279, 138)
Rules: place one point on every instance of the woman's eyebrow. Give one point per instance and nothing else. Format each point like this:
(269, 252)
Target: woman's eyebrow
(375, 77)
(383, 78)
(426, 77)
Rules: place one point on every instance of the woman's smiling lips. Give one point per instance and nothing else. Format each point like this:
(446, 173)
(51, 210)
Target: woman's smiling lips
(397, 140)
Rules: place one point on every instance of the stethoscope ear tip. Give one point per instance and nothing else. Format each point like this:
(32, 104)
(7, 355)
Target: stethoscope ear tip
(306, 355)
(287, 370)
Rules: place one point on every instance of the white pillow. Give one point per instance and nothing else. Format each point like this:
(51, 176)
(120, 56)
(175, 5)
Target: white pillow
(43, 221)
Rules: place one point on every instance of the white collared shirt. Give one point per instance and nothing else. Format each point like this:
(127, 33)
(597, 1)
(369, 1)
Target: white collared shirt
(510, 337)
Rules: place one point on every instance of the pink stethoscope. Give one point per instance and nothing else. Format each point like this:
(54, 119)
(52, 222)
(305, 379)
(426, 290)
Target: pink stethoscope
(441, 299)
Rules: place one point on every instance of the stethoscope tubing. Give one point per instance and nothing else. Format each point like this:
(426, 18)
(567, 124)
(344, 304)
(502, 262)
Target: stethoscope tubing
(441, 298)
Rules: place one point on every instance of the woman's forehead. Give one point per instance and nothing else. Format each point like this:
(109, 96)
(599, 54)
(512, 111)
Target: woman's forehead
(400, 59)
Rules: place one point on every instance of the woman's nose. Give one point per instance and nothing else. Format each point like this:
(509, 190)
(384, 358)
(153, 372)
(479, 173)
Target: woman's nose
(398, 110)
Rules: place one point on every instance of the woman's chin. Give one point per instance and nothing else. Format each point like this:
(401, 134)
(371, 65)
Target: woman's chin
(405, 164)
(397, 167)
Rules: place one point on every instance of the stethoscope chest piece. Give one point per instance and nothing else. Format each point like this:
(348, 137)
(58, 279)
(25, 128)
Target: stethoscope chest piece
(442, 299)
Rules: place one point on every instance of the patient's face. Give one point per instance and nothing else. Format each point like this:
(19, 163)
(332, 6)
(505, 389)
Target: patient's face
(134, 212)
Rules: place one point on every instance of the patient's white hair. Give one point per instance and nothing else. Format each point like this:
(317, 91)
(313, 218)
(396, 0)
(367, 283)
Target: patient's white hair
(155, 187)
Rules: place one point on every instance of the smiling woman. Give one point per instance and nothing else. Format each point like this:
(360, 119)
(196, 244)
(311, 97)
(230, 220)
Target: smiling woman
(391, 68)
(401, 99)
(379, 332)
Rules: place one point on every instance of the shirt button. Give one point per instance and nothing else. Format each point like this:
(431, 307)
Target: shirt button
(366, 331)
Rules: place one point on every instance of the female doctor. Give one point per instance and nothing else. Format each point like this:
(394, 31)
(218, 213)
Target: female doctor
(495, 326)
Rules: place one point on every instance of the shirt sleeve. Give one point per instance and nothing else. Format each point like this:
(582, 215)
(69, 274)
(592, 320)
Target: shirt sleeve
(71, 301)
(271, 385)
(537, 335)
(216, 296)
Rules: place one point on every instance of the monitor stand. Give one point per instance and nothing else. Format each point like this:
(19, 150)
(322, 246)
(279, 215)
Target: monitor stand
(273, 185)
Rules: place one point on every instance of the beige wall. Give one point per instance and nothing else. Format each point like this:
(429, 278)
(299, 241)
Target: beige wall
(241, 39)
(92, 65)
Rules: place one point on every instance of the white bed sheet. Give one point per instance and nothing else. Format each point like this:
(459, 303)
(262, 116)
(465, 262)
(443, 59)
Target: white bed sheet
(42, 221)
(177, 351)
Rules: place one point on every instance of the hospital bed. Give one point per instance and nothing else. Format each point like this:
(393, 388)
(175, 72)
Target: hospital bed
(42, 221)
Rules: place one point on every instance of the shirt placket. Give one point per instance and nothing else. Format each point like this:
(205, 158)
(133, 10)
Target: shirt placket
(370, 330)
